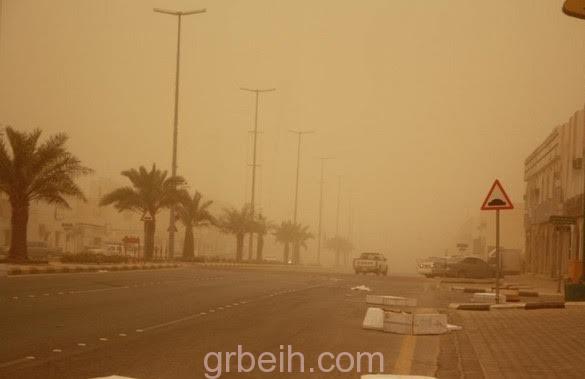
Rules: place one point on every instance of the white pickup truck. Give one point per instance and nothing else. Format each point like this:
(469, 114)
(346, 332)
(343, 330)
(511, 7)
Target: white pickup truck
(371, 262)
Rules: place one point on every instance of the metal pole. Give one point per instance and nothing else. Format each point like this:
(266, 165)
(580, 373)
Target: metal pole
(300, 135)
(297, 181)
(253, 192)
(171, 251)
(179, 15)
(582, 230)
(338, 201)
(321, 210)
(498, 265)
(252, 200)
(560, 260)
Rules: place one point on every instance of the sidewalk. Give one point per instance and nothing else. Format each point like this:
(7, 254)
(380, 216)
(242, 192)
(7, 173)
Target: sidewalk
(515, 344)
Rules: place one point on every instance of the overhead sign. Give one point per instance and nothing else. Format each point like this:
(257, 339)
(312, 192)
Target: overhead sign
(574, 8)
(562, 220)
(497, 199)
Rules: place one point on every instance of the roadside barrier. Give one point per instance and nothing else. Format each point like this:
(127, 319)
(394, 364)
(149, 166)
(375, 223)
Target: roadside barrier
(74, 269)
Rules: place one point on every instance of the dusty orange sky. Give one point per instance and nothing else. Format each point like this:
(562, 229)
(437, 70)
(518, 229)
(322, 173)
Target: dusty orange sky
(423, 103)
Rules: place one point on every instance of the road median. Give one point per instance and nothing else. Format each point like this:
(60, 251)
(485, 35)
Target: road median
(68, 269)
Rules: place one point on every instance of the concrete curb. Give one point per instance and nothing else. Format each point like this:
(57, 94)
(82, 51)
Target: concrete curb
(75, 269)
(525, 306)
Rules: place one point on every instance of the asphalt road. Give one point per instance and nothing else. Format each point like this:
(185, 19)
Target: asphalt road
(162, 324)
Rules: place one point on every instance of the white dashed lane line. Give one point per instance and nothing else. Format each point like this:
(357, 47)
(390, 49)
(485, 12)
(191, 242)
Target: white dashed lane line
(153, 327)
(77, 292)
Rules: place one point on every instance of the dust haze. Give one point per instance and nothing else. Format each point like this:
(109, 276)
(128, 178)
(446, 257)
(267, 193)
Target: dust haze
(421, 104)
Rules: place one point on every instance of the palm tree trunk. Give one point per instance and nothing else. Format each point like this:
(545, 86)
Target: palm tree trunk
(260, 247)
(19, 224)
(286, 253)
(149, 230)
(239, 247)
(189, 243)
(297, 253)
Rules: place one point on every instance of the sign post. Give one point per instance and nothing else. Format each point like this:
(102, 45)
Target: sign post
(496, 200)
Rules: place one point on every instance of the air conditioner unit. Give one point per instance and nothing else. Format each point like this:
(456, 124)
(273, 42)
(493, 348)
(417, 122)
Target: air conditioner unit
(577, 163)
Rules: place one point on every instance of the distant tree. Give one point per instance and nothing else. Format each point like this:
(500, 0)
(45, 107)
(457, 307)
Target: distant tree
(261, 226)
(340, 246)
(193, 213)
(238, 223)
(285, 234)
(301, 236)
(32, 171)
(151, 191)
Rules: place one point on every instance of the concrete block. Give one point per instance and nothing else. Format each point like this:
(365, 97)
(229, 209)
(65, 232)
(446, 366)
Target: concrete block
(432, 323)
(398, 322)
(488, 297)
(374, 319)
(391, 300)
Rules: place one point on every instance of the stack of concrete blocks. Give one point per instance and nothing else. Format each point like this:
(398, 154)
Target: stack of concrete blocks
(420, 322)
(396, 301)
(488, 298)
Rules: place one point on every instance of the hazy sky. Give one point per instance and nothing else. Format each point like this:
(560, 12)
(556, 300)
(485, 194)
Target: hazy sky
(423, 103)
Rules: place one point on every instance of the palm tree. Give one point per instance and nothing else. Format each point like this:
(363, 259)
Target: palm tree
(34, 171)
(285, 234)
(340, 246)
(151, 191)
(238, 223)
(193, 213)
(301, 236)
(261, 226)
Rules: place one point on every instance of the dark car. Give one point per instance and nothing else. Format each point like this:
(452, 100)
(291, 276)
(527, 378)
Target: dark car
(469, 267)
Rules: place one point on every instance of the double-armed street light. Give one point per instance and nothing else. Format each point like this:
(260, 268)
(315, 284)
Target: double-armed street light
(257, 92)
(179, 14)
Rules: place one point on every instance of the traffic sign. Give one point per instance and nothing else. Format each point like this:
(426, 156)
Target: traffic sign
(173, 228)
(574, 8)
(146, 217)
(497, 198)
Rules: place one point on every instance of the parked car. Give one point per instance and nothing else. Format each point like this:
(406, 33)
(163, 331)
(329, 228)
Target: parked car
(38, 251)
(432, 267)
(511, 260)
(371, 262)
(469, 267)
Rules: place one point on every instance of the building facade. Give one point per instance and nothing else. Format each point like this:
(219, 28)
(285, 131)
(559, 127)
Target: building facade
(554, 187)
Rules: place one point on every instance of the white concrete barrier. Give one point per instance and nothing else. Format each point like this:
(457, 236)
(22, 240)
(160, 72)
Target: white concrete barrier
(374, 319)
(391, 300)
(429, 323)
(398, 322)
(487, 297)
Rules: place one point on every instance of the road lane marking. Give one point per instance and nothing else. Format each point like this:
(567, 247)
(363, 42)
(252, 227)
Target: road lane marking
(81, 344)
(16, 361)
(404, 362)
(122, 334)
(139, 330)
(57, 351)
(103, 339)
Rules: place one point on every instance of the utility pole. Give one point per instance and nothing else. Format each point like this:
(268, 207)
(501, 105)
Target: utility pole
(179, 16)
(323, 159)
(338, 203)
(300, 134)
(254, 165)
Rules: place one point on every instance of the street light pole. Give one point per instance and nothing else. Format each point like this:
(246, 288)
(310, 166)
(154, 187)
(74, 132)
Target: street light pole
(323, 159)
(300, 134)
(179, 16)
(254, 165)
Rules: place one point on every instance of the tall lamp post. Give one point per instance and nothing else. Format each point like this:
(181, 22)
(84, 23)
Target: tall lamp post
(254, 165)
(576, 8)
(323, 159)
(300, 134)
(179, 14)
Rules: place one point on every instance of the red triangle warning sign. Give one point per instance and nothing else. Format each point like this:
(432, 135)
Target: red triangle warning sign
(497, 198)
